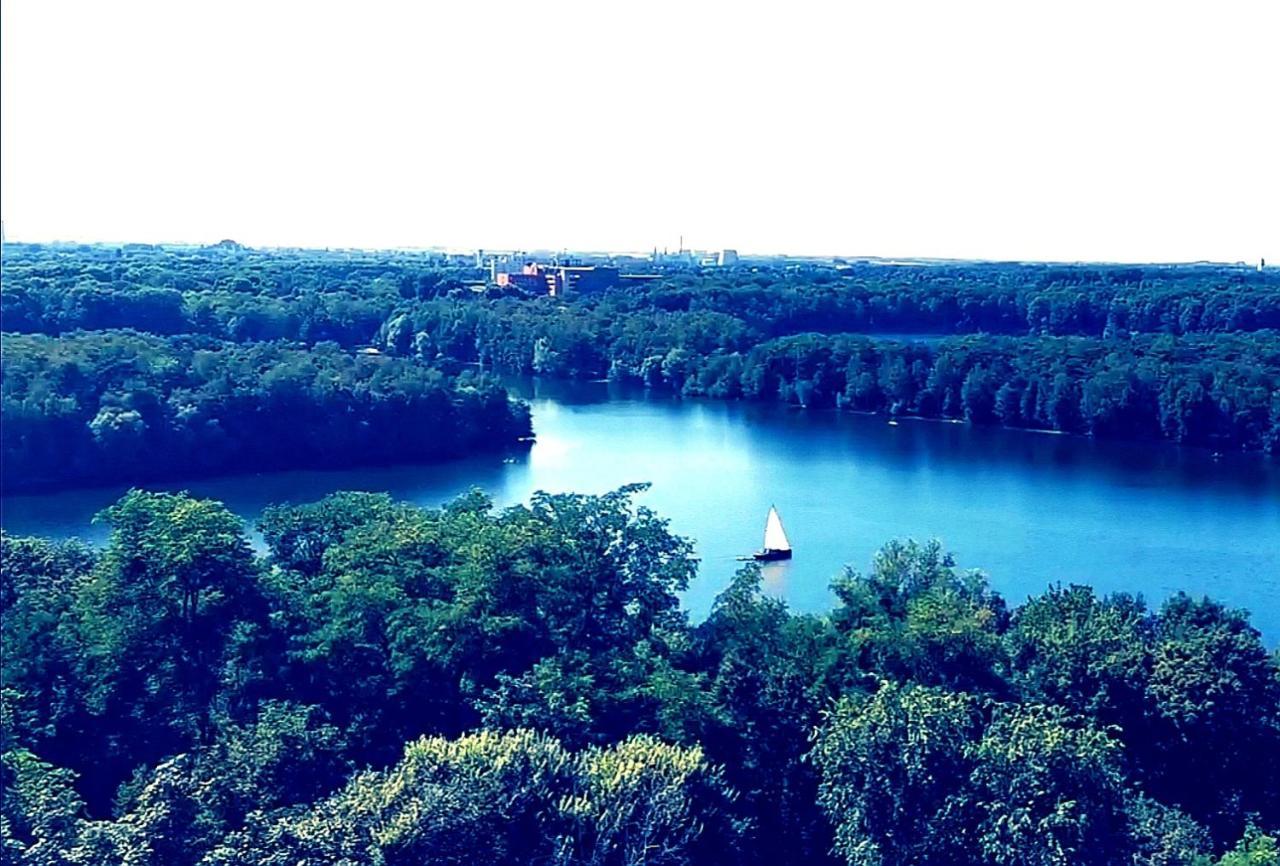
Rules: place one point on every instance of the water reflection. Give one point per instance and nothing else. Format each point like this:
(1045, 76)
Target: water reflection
(774, 577)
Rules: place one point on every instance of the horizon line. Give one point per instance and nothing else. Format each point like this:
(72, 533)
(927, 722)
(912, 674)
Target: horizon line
(457, 250)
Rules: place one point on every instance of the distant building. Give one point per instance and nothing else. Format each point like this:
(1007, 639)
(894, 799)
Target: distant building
(591, 278)
(728, 258)
(532, 278)
(559, 280)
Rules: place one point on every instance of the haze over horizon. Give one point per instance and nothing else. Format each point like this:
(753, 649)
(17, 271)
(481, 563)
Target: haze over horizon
(1079, 132)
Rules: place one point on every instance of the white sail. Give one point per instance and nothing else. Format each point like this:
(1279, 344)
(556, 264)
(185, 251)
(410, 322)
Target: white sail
(775, 537)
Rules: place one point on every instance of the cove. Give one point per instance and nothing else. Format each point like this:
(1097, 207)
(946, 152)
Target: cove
(1029, 509)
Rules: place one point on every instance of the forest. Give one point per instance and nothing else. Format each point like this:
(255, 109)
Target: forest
(240, 293)
(119, 406)
(385, 684)
(1189, 354)
(365, 682)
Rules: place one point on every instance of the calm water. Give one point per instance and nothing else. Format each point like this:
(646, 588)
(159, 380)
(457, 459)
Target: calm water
(1030, 509)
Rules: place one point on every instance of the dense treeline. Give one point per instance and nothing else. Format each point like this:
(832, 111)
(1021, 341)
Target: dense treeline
(1223, 391)
(1184, 353)
(1219, 390)
(225, 291)
(237, 293)
(976, 297)
(122, 406)
(393, 685)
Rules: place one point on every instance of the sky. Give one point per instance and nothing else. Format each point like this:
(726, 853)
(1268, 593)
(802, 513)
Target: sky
(1116, 131)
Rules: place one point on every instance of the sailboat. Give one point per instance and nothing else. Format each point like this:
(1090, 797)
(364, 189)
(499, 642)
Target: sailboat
(776, 544)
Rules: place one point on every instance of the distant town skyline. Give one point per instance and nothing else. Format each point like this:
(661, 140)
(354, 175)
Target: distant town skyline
(1089, 131)
(715, 257)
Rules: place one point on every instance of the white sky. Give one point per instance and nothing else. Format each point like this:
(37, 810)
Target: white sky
(1116, 130)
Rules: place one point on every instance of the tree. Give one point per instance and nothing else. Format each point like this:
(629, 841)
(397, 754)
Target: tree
(38, 581)
(1090, 655)
(1255, 848)
(1048, 791)
(299, 535)
(769, 674)
(1212, 681)
(120, 432)
(39, 810)
(522, 685)
(188, 803)
(894, 768)
(155, 622)
(508, 798)
(646, 802)
(915, 617)
(978, 395)
(1164, 836)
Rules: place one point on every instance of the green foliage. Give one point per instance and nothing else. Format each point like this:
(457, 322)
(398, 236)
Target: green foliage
(1169, 683)
(917, 775)
(769, 676)
(288, 755)
(1087, 654)
(518, 797)
(190, 702)
(38, 580)
(562, 614)
(914, 617)
(643, 801)
(40, 809)
(1254, 849)
(895, 768)
(1185, 353)
(1048, 791)
(155, 623)
(818, 346)
(117, 405)
(299, 535)
(1212, 680)
(174, 698)
(1164, 836)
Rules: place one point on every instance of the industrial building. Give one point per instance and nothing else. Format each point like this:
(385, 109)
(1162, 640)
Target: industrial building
(558, 280)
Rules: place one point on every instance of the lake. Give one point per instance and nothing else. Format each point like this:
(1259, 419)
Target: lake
(1030, 509)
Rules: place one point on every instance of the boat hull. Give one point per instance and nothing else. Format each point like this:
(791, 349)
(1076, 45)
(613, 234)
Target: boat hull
(770, 555)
